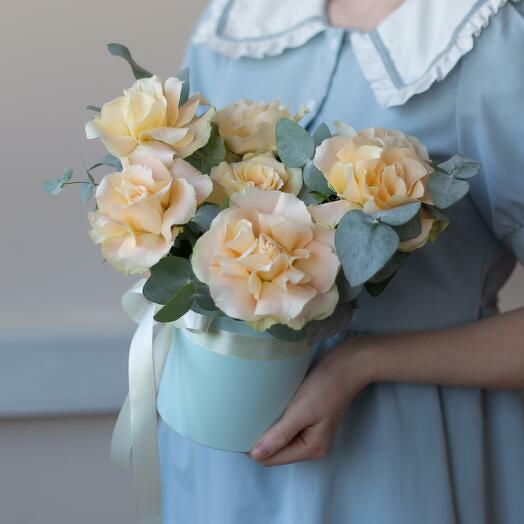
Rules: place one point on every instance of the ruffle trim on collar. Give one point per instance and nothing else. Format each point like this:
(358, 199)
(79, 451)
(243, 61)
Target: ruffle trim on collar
(211, 33)
(387, 84)
(394, 72)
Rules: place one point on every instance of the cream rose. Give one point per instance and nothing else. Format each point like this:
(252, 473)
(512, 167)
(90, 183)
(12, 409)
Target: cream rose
(148, 115)
(249, 127)
(141, 209)
(266, 262)
(373, 170)
(262, 171)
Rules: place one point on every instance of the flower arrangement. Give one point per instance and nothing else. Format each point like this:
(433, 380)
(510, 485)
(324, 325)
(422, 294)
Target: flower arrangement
(256, 238)
(241, 212)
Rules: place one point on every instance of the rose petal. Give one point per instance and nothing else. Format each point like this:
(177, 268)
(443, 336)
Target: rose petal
(202, 184)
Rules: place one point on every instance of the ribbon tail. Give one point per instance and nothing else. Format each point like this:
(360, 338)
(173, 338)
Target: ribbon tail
(143, 421)
(121, 443)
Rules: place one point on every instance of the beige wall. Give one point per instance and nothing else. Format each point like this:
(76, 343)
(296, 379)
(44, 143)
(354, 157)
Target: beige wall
(52, 280)
(53, 63)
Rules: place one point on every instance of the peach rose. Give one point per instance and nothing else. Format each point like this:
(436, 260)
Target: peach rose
(249, 127)
(262, 171)
(148, 115)
(372, 170)
(141, 209)
(266, 262)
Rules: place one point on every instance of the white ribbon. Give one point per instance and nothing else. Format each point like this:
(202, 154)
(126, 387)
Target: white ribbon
(135, 434)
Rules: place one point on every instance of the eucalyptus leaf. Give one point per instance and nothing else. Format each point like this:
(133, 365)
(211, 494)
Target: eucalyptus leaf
(203, 296)
(108, 160)
(397, 216)
(446, 190)
(167, 277)
(319, 330)
(364, 246)
(209, 156)
(346, 292)
(95, 109)
(286, 333)
(319, 197)
(391, 267)
(376, 289)
(436, 213)
(308, 197)
(295, 145)
(461, 167)
(206, 302)
(315, 180)
(55, 185)
(86, 191)
(409, 230)
(184, 93)
(179, 304)
(205, 215)
(322, 133)
(123, 52)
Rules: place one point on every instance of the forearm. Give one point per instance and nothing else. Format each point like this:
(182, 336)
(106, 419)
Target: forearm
(486, 354)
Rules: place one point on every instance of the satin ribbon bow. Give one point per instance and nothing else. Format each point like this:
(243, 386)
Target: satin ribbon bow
(135, 434)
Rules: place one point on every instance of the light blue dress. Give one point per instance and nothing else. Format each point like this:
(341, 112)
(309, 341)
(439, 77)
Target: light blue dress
(404, 454)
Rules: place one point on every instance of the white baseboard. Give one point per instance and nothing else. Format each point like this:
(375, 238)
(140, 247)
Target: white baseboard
(62, 375)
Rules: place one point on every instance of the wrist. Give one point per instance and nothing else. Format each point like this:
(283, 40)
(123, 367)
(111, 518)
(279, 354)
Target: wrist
(366, 358)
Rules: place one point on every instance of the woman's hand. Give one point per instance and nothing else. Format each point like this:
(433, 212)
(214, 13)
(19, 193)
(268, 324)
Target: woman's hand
(307, 427)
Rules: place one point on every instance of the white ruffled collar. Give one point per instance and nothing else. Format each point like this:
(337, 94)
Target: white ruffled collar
(415, 46)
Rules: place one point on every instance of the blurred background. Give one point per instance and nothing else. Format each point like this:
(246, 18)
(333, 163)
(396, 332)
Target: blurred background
(63, 336)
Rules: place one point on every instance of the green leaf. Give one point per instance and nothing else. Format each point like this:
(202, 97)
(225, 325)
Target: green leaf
(108, 160)
(315, 180)
(95, 109)
(286, 333)
(209, 156)
(205, 215)
(55, 185)
(203, 296)
(436, 214)
(86, 191)
(364, 246)
(179, 304)
(322, 133)
(446, 190)
(295, 145)
(309, 197)
(397, 216)
(123, 52)
(68, 174)
(167, 277)
(376, 289)
(184, 94)
(461, 167)
(409, 230)
(319, 330)
(346, 292)
(391, 267)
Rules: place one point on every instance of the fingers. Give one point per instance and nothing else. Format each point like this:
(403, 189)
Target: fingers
(295, 419)
(310, 444)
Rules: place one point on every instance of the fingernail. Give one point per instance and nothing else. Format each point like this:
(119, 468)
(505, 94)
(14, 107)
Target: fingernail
(259, 451)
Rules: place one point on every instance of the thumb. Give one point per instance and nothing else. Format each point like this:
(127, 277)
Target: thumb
(294, 420)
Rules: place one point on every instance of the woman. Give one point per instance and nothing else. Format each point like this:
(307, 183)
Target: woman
(414, 415)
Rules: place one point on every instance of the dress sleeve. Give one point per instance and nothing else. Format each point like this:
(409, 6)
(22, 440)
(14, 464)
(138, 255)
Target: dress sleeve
(490, 124)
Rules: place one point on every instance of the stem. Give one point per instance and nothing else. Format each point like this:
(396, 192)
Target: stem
(71, 183)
